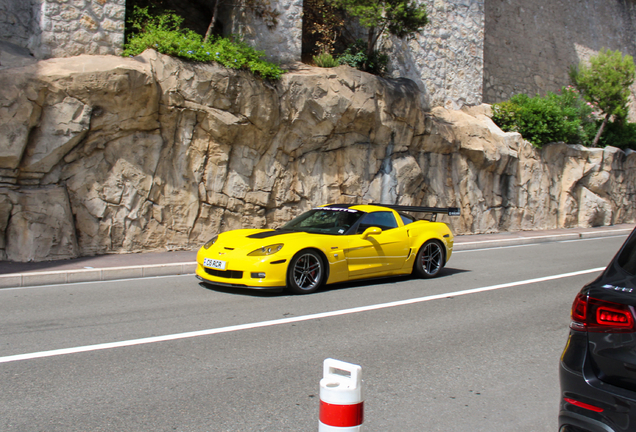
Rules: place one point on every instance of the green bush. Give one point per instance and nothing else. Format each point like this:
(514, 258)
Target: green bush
(325, 60)
(356, 57)
(543, 120)
(619, 134)
(606, 82)
(164, 34)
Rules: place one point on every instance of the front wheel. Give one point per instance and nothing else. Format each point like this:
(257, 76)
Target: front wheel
(305, 273)
(429, 260)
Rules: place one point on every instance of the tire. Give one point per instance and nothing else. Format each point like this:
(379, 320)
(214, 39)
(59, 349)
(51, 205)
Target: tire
(306, 272)
(429, 260)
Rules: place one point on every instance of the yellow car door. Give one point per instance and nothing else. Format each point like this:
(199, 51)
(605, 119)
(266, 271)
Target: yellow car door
(379, 246)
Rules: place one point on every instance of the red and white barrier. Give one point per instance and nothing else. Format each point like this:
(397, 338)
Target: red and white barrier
(341, 403)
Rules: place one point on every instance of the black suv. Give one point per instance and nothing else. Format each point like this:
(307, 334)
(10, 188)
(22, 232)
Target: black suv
(598, 365)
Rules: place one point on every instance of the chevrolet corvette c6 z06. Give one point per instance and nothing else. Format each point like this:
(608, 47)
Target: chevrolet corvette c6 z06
(330, 244)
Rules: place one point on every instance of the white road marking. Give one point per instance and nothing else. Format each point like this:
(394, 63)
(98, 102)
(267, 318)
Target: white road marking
(148, 340)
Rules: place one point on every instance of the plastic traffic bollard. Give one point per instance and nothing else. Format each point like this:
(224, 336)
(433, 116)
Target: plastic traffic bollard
(341, 403)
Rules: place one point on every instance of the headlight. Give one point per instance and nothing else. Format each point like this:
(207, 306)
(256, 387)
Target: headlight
(210, 242)
(267, 250)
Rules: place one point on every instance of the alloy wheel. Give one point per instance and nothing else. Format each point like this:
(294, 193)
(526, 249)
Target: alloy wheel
(307, 271)
(432, 258)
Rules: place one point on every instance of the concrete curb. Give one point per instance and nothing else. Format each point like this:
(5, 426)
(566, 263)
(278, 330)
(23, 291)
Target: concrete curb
(19, 280)
(484, 244)
(39, 278)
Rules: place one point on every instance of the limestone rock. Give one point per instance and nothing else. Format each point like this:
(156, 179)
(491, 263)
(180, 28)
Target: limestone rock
(6, 207)
(62, 126)
(19, 115)
(40, 225)
(594, 210)
(111, 155)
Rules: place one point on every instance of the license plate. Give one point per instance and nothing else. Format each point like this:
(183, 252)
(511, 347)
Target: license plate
(215, 264)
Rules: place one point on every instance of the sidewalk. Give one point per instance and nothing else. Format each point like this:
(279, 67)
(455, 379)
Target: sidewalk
(128, 266)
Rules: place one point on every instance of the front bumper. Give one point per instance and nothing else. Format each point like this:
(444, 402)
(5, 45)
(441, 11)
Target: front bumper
(245, 271)
(231, 285)
(579, 382)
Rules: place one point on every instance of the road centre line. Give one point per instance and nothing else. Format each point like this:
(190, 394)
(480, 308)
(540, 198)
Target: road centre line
(269, 323)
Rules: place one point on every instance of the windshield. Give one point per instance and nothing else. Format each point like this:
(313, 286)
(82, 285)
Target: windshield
(324, 221)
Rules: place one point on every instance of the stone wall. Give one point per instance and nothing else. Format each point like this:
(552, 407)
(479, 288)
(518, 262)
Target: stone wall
(472, 50)
(446, 60)
(103, 154)
(63, 28)
(530, 45)
(81, 27)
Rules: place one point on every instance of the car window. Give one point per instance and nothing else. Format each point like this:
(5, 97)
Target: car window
(324, 221)
(627, 258)
(406, 219)
(383, 220)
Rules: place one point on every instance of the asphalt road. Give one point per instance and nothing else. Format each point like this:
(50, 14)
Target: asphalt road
(476, 349)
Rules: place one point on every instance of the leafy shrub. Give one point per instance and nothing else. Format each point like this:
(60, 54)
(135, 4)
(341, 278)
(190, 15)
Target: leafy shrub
(164, 34)
(356, 57)
(543, 120)
(323, 25)
(325, 60)
(619, 134)
(401, 18)
(606, 83)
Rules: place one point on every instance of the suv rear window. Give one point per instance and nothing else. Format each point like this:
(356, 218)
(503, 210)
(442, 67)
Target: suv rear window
(627, 258)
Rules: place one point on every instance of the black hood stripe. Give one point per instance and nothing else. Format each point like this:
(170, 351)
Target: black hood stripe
(268, 234)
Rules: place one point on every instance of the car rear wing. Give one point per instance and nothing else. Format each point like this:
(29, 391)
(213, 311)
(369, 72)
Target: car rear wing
(434, 211)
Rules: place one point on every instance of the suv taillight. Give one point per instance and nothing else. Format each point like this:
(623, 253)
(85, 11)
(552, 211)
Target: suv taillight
(594, 315)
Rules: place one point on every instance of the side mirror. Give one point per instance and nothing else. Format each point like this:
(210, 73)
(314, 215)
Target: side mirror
(371, 231)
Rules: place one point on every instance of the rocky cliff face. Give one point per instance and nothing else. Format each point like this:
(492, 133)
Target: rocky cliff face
(110, 155)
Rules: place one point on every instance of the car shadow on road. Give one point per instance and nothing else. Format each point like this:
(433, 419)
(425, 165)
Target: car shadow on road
(446, 272)
(243, 291)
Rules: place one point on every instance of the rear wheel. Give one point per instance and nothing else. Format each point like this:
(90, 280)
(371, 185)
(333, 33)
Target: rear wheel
(305, 273)
(429, 260)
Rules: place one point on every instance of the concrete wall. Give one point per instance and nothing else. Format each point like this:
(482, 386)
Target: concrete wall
(530, 45)
(17, 18)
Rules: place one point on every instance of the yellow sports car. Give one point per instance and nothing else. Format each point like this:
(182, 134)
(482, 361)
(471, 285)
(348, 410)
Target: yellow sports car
(329, 244)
